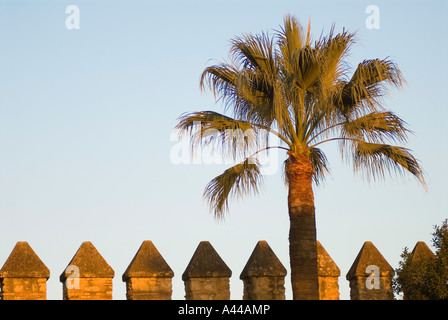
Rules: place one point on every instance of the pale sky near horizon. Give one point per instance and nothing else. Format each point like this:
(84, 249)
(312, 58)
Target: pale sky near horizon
(87, 116)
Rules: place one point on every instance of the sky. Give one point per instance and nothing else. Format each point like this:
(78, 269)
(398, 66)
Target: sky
(87, 116)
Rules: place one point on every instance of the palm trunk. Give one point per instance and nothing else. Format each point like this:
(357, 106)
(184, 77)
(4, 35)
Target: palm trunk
(302, 232)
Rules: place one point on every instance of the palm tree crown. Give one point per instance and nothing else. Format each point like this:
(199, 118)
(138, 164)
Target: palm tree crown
(301, 93)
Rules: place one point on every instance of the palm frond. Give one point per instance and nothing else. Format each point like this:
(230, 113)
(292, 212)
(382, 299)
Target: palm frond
(255, 98)
(376, 71)
(319, 162)
(239, 180)
(364, 91)
(248, 85)
(254, 52)
(234, 138)
(222, 80)
(260, 96)
(245, 92)
(333, 50)
(377, 127)
(291, 37)
(376, 160)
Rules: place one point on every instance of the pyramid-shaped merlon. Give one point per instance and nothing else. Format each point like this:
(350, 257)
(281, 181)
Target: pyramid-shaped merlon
(23, 262)
(326, 265)
(206, 263)
(90, 263)
(148, 263)
(422, 252)
(263, 263)
(369, 256)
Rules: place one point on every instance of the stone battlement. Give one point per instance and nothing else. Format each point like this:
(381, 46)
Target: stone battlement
(88, 276)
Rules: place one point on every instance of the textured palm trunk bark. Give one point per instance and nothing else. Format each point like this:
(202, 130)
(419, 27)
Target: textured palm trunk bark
(302, 233)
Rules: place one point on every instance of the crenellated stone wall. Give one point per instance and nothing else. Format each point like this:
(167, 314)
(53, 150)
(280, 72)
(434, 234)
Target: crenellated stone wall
(149, 277)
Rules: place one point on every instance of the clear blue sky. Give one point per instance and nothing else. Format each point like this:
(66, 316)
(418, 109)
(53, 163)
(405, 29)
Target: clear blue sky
(86, 118)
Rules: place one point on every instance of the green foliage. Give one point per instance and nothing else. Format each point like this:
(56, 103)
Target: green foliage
(425, 279)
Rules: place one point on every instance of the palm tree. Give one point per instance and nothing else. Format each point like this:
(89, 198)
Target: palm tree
(301, 93)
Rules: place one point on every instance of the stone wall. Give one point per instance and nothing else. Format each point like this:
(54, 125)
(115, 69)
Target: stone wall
(149, 277)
